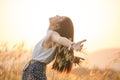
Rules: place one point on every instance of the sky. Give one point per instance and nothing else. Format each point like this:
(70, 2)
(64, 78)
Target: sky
(98, 21)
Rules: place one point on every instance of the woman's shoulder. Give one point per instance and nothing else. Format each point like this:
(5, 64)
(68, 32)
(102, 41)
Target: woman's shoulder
(52, 33)
(49, 35)
(52, 36)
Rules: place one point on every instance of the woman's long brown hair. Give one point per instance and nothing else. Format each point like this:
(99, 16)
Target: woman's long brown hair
(64, 57)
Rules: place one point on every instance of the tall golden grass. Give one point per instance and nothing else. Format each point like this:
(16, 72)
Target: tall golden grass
(13, 60)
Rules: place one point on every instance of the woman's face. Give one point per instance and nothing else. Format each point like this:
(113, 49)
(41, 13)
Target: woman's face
(56, 19)
(55, 22)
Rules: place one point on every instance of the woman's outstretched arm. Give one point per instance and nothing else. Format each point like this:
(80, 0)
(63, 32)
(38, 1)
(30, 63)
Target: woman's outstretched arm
(55, 37)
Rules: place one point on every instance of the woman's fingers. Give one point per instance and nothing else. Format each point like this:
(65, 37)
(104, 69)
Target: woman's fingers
(82, 41)
(78, 46)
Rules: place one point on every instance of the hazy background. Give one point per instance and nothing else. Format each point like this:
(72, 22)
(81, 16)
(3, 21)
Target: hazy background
(25, 22)
(98, 21)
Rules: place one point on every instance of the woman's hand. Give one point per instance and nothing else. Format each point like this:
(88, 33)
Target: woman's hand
(78, 46)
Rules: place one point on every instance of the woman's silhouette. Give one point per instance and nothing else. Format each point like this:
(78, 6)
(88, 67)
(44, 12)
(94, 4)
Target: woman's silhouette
(58, 44)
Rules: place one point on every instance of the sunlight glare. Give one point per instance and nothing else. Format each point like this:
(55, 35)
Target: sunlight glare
(98, 21)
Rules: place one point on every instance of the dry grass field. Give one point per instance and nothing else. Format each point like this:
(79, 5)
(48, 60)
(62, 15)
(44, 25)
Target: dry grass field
(13, 60)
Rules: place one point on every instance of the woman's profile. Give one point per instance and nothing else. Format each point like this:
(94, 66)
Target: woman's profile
(57, 45)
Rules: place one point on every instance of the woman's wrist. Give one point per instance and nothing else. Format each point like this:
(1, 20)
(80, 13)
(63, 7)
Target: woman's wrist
(71, 46)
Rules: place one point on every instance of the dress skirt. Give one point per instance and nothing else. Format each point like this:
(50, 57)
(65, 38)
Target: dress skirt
(35, 70)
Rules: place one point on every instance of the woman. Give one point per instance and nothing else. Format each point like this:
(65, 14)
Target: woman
(57, 44)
